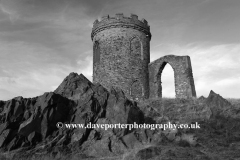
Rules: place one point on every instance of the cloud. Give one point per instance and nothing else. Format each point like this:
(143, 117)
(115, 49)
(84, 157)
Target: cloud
(87, 64)
(41, 45)
(19, 25)
(51, 38)
(31, 83)
(37, 71)
(46, 8)
(11, 14)
(35, 81)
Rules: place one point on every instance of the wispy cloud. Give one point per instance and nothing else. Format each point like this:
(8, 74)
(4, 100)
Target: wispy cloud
(42, 41)
(32, 74)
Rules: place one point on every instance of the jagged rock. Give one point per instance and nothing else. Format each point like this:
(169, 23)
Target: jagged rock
(74, 86)
(37, 116)
(34, 137)
(94, 103)
(77, 101)
(13, 109)
(98, 106)
(2, 103)
(50, 108)
(123, 111)
(32, 121)
(4, 136)
(91, 102)
(217, 104)
(216, 100)
(115, 108)
(30, 125)
(93, 108)
(202, 99)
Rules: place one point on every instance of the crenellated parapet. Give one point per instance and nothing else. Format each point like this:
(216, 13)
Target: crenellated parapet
(120, 21)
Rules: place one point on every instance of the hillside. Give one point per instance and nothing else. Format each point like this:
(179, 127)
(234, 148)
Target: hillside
(28, 126)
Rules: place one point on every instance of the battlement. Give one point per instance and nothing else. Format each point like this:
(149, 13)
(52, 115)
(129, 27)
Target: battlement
(120, 21)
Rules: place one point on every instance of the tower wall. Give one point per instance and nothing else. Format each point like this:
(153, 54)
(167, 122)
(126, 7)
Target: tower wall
(121, 54)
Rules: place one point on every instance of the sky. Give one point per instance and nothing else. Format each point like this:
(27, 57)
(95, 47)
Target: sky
(42, 41)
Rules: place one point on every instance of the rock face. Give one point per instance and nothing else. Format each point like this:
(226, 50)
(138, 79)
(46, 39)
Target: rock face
(31, 121)
(27, 121)
(218, 105)
(74, 86)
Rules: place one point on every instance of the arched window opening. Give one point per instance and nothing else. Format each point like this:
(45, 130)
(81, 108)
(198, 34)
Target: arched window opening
(167, 79)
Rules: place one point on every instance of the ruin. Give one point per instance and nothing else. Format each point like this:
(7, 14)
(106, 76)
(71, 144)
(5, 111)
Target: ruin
(183, 77)
(121, 59)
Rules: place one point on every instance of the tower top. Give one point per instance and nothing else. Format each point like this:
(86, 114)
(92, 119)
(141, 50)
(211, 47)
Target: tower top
(120, 21)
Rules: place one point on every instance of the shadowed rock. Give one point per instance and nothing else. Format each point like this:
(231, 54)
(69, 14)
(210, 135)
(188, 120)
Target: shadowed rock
(74, 86)
(32, 121)
(217, 104)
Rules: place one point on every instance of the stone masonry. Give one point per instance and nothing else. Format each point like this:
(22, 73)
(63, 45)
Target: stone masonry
(121, 54)
(121, 59)
(183, 77)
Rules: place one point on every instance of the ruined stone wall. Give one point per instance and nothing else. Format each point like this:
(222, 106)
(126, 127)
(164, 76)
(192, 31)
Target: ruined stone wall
(183, 77)
(121, 54)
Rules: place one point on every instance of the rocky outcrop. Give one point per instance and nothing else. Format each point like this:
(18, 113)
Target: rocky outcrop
(218, 105)
(74, 87)
(202, 99)
(27, 121)
(32, 121)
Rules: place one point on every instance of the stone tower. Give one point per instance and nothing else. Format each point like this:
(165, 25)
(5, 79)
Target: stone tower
(121, 54)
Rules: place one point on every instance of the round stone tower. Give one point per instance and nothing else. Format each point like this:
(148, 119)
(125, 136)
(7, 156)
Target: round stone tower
(121, 54)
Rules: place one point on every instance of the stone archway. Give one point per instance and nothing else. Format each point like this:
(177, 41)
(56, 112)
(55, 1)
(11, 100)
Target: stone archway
(183, 77)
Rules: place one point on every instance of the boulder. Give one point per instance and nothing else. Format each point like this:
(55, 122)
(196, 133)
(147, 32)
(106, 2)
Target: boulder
(122, 110)
(74, 86)
(218, 105)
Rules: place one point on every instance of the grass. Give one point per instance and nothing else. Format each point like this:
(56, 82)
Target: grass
(217, 134)
(234, 101)
(183, 110)
(218, 138)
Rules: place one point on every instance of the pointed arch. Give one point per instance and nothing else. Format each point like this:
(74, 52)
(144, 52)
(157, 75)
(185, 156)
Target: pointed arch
(183, 77)
(159, 77)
